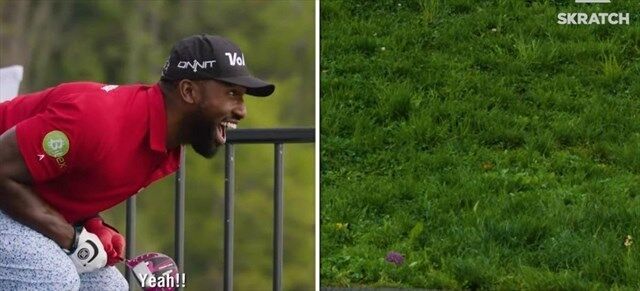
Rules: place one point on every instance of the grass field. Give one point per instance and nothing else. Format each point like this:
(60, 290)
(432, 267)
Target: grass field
(490, 146)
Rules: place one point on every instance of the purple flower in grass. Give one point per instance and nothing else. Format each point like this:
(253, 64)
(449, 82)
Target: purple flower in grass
(395, 257)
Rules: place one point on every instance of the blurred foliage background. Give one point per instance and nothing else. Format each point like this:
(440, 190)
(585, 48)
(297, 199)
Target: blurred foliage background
(127, 41)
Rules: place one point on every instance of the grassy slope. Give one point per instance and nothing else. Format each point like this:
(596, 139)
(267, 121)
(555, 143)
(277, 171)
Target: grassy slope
(491, 146)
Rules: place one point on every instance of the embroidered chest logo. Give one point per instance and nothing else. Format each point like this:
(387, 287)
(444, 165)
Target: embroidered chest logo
(56, 145)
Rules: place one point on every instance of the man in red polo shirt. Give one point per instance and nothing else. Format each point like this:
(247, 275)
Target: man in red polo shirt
(74, 150)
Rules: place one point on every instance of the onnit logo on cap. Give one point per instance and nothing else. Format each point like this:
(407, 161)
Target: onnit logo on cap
(195, 64)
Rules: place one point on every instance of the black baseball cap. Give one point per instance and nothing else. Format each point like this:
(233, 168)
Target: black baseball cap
(202, 57)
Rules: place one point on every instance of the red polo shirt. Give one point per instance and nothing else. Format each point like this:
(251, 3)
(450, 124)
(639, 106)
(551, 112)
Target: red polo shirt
(90, 146)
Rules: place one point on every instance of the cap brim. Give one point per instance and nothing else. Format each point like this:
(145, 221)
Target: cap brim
(255, 86)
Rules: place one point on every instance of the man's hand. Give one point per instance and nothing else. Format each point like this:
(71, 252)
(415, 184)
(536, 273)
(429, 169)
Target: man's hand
(111, 239)
(89, 254)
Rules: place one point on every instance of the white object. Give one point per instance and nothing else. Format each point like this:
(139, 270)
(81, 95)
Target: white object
(10, 78)
(90, 254)
(143, 273)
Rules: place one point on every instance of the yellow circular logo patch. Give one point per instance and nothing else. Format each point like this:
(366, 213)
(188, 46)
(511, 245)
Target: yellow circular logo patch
(55, 144)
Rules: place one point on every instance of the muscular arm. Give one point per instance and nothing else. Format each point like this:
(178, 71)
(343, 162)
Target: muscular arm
(20, 202)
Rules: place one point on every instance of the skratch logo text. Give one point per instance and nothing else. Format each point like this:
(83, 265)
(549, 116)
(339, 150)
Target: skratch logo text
(581, 18)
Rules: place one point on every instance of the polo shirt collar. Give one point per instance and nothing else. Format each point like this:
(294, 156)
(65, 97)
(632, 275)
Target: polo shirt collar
(157, 120)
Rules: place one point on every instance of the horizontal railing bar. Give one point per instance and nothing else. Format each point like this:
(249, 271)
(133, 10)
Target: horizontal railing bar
(277, 135)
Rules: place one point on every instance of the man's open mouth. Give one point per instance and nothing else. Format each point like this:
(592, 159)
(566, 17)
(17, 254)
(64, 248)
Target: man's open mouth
(221, 131)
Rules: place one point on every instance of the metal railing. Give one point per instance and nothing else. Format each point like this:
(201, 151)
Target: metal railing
(277, 137)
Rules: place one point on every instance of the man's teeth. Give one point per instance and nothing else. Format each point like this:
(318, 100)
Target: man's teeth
(229, 125)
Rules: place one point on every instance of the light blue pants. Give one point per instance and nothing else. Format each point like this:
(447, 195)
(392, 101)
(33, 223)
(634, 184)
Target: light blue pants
(31, 261)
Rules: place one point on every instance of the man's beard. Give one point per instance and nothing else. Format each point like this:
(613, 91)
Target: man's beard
(203, 136)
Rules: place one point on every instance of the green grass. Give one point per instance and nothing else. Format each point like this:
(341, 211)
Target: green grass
(491, 146)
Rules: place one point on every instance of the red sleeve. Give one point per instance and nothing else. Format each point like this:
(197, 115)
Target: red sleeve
(22, 107)
(52, 142)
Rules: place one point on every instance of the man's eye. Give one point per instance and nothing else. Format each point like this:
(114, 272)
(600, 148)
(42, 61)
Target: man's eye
(235, 93)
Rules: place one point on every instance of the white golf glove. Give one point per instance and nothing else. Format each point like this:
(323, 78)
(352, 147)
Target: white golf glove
(89, 255)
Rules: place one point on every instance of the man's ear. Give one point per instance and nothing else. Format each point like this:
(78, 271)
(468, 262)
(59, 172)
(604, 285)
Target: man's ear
(189, 91)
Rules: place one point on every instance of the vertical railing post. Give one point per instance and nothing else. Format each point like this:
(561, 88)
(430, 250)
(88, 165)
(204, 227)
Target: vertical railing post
(278, 205)
(179, 213)
(228, 216)
(131, 236)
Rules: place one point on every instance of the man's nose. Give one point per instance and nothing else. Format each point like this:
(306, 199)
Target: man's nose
(240, 111)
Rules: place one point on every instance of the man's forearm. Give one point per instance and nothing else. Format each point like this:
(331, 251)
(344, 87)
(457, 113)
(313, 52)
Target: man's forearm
(25, 206)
